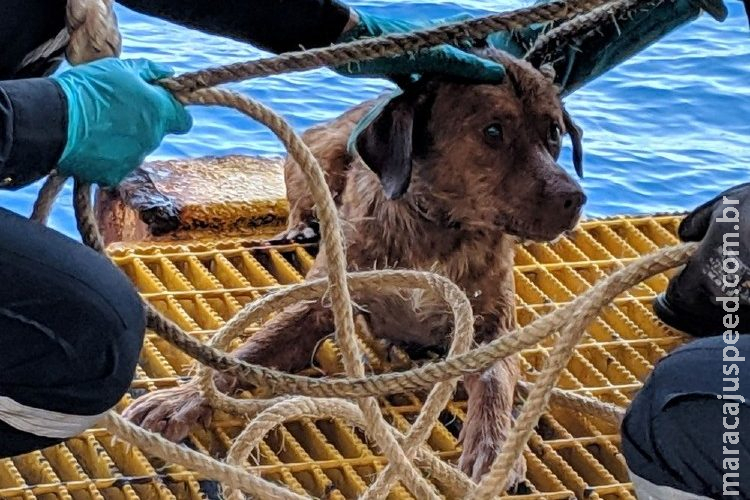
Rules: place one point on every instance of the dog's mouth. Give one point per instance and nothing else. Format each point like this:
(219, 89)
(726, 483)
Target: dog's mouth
(535, 231)
(538, 230)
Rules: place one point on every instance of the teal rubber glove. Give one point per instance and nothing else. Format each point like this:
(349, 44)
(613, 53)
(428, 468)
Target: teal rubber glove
(116, 118)
(444, 59)
(592, 53)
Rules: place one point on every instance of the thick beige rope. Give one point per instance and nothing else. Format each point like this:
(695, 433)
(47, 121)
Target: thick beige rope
(571, 333)
(434, 404)
(547, 44)
(341, 303)
(395, 44)
(390, 383)
(559, 398)
(92, 27)
(233, 477)
(582, 310)
(452, 479)
(96, 19)
(51, 189)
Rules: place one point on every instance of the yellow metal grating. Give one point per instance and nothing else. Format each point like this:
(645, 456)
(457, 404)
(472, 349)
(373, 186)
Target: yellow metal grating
(201, 285)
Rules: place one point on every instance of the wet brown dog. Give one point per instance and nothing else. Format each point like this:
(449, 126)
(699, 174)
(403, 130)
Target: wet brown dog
(457, 172)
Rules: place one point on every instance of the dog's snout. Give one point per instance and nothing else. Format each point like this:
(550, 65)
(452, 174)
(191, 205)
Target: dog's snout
(565, 202)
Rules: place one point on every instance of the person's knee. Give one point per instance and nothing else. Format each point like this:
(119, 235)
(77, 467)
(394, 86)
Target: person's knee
(72, 326)
(96, 326)
(77, 359)
(673, 433)
(118, 330)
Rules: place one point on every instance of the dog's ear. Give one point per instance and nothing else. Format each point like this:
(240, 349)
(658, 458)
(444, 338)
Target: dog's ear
(576, 138)
(384, 139)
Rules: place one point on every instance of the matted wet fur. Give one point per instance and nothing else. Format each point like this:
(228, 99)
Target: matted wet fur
(453, 173)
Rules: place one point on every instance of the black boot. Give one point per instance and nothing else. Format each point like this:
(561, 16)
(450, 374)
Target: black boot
(710, 295)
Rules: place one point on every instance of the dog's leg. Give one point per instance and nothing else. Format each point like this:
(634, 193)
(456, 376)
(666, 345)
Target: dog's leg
(287, 342)
(489, 416)
(302, 226)
(489, 420)
(328, 144)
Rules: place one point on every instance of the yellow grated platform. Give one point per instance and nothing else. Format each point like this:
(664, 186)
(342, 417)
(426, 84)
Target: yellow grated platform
(202, 285)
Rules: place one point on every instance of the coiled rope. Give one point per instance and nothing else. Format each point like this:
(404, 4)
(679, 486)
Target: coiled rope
(298, 396)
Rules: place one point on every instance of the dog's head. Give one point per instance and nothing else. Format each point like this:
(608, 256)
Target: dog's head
(478, 156)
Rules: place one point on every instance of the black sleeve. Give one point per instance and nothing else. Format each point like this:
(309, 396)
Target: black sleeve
(24, 26)
(33, 130)
(274, 25)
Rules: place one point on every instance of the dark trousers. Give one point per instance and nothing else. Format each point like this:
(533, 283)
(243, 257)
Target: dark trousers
(71, 330)
(678, 433)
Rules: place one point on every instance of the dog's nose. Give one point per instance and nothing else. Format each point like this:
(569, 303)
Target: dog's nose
(569, 202)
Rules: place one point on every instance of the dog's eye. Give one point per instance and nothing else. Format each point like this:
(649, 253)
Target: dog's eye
(553, 139)
(553, 135)
(493, 133)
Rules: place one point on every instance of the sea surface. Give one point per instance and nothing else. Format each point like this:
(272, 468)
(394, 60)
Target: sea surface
(665, 131)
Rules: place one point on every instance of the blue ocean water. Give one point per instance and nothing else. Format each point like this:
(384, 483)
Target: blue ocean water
(663, 132)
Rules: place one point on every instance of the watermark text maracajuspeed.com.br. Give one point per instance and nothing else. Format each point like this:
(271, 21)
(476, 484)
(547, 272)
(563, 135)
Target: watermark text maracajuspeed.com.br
(731, 275)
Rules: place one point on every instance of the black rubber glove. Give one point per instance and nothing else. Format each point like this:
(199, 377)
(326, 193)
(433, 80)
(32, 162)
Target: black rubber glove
(712, 292)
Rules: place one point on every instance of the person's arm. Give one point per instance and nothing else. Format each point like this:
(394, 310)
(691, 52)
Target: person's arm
(33, 130)
(96, 122)
(274, 25)
(593, 52)
(29, 151)
(289, 25)
(24, 26)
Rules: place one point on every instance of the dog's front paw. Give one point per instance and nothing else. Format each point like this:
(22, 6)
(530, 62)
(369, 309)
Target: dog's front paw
(480, 451)
(299, 233)
(477, 455)
(173, 413)
(517, 475)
